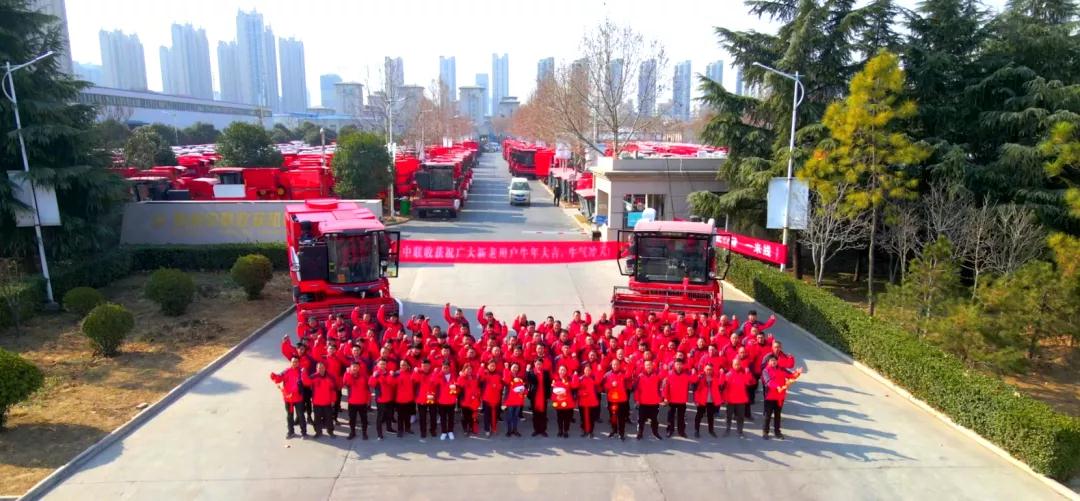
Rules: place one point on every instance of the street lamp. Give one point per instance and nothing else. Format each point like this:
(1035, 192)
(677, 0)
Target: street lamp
(796, 99)
(322, 138)
(9, 92)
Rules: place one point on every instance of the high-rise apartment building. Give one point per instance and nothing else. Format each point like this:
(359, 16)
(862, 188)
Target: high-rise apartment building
(680, 86)
(646, 90)
(471, 103)
(448, 76)
(58, 9)
(293, 76)
(715, 71)
(185, 67)
(545, 68)
(327, 96)
(614, 83)
(257, 55)
(229, 72)
(122, 61)
(350, 98)
(738, 82)
(394, 68)
(483, 82)
(89, 72)
(500, 79)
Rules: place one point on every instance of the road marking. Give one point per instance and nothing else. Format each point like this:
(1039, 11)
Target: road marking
(538, 232)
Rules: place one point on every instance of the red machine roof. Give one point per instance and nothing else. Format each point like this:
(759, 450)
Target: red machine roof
(334, 216)
(676, 227)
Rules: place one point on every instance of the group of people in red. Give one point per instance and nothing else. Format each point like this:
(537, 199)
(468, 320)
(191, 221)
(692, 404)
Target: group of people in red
(418, 373)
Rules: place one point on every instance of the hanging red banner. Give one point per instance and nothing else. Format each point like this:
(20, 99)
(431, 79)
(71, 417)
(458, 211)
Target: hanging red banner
(531, 252)
(764, 250)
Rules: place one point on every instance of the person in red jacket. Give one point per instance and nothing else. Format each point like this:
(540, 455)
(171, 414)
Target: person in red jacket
(757, 349)
(470, 399)
(783, 360)
(291, 383)
(324, 393)
(752, 322)
(516, 384)
(307, 366)
(562, 399)
(649, 394)
(616, 384)
(447, 391)
(491, 385)
(356, 382)
(426, 394)
(404, 398)
(539, 384)
(736, 382)
(391, 325)
(707, 397)
(676, 393)
(383, 380)
(776, 381)
(588, 399)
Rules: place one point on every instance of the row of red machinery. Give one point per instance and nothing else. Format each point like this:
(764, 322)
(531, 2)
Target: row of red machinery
(440, 180)
(528, 159)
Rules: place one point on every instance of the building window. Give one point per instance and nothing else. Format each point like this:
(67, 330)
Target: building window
(634, 205)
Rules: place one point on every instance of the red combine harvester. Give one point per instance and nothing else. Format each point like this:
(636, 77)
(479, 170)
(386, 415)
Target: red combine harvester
(262, 183)
(670, 264)
(340, 257)
(439, 187)
(528, 160)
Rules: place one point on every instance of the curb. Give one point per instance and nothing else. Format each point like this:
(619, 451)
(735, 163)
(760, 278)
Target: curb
(62, 473)
(569, 212)
(1058, 487)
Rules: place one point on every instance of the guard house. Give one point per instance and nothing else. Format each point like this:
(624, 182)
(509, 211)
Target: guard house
(625, 187)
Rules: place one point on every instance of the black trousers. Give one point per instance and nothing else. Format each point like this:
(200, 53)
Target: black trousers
(429, 419)
(324, 419)
(619, 414)
(648, 413)
(709, 414)
(751, 391)
(589, 417)
(358, 410)
(562, 418)
(539, 421)
(404, 413)
(676, 418)
(772, 411)
(468, 419)
(384, 416)
(294, 414)
(446, 418)
(308, 408)
(491, 417)
(738, 412)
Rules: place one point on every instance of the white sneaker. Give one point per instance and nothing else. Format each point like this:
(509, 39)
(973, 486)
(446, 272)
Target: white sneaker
(451, 435)
(442, 437)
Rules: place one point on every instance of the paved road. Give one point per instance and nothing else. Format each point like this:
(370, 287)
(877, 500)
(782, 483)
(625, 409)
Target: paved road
(850, 437)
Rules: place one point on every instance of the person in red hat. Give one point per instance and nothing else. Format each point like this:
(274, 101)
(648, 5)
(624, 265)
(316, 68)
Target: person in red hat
(588, 399)
(291, 383)
(708, 396)
(359, 399)
(515, 382)
(562, 399)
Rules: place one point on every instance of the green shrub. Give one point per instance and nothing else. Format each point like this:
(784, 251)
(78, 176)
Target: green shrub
(1046, 440)
(107, 325)
(205, 257)
(81, 300)
(21, 301)
(171, 289)
(92, 271)
(18, 380)
(252, 272)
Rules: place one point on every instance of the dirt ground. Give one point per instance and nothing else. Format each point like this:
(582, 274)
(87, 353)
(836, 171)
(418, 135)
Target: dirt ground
(86, 397)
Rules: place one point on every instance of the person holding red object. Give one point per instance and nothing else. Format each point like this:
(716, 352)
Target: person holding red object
(307, 366)
(404, 398)
(736, 382)
(516, 388)
(448, 391)
(324, 393)
(359, 398)
(676, 391)
(783, 360)
(616, 384)
(470, 399)
(426, 395)
(649, 394)
(562, 399)
(708, 396)
(491, 386)
(776, 380)
(383, 380)
(291, 383)
(539, 383)
(588, 399)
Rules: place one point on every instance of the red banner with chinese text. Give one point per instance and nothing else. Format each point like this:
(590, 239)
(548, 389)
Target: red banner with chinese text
(764, 250)
(506, 252)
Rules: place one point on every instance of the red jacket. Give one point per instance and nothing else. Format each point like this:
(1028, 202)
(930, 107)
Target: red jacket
(761, 326)
(735, 386)
(774, 379)
(649, 389)
(447, 389)
(492, 384)
(677, 387)
(359, 391)
(405, 388)
(705, 388)
(515, 389)
(470, 391)
(427, 388)
(562, 392)
(292, 384)
(587, 387)
(383, 382)
(391, 330)
(615, 385)
(324, 389)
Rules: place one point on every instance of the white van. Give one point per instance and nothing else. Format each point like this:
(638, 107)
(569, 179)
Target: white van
(520, 193)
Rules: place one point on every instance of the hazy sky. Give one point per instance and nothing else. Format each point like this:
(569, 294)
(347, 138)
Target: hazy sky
(351, 38)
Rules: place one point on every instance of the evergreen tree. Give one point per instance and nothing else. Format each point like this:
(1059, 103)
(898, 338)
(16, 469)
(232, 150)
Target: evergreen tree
(64, 152)
(247, 145)
(361, 165)
(200, 133)
(145, 149)
(930, 286)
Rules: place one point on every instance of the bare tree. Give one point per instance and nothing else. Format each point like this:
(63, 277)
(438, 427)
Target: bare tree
(904, 224)
(976, 239)
(590, 93)
(946, 213)
(1018, 238)
(828, 231)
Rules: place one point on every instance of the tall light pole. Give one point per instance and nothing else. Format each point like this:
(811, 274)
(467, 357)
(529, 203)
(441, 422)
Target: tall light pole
(796, 99)
(322, 138)
(9, 92)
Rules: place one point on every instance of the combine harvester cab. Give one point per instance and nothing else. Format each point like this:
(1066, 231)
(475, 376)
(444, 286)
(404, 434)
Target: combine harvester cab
(438, 188)
(340, 258)
(671, 265)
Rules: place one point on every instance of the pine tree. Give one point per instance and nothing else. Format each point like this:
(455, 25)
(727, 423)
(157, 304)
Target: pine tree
(931, 285)
(867, 149)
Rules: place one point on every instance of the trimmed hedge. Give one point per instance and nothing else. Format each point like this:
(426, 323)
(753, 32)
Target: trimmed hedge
(81, 300)
(205, 257)
(171, 289)
(252, 272)
(27, 298)
(106, 326)
(18, 380)
(1031, 431)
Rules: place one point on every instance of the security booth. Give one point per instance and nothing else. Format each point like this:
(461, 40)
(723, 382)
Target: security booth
(625, 187)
